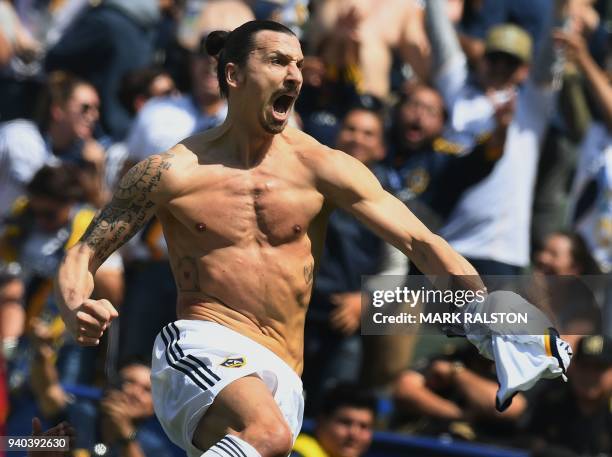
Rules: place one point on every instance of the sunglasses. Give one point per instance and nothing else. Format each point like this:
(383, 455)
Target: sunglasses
(86, 108)
(424, 107)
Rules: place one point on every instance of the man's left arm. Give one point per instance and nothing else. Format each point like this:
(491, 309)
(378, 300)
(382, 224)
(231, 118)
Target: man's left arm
(350, 185)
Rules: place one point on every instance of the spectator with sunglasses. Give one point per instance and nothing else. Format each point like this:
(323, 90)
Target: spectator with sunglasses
(64, 133)
(418, 152)
(142, 84)
(427, 171)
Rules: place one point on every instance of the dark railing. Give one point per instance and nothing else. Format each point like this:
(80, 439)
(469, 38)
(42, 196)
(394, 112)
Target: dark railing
(387, 444)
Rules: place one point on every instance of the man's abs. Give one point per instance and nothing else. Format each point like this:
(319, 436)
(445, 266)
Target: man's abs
(261, 293)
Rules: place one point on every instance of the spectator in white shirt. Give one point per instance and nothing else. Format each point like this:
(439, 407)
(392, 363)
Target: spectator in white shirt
(491, 222)
(64, 133)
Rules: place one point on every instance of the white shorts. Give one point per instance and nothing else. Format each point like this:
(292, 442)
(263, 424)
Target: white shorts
(194, 360)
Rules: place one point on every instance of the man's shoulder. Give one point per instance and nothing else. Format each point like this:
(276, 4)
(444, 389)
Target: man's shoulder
(299, 139)
(167, 172)
(176, 156)
(200, 147)
(309, 151)
(178, 160)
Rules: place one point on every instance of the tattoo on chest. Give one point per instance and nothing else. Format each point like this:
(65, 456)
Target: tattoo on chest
(130, 208)
(309, 272)
(188, 278)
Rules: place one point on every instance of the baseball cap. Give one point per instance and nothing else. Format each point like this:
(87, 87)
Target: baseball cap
(595, 348)
(509, 39)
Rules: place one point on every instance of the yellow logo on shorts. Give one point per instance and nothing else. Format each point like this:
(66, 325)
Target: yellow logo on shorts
(233, 362)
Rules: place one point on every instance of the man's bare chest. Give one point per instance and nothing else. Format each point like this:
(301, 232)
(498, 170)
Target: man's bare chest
(229, 208)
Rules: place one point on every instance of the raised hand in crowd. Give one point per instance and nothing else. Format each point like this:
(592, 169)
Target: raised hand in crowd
(577, 51)
(504, 103)
(44, 380)
(346, 317)
(344, 44)
(120, 414)
(585, 18)
(61, 429)
(574, 44)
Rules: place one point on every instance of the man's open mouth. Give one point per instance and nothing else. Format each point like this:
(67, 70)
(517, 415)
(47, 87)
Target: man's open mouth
(413, 130)
(282, 104)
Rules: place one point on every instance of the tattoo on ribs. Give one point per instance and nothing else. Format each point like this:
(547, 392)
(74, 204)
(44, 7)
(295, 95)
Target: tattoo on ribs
(187, 272)
(309, 272)
(129, 209)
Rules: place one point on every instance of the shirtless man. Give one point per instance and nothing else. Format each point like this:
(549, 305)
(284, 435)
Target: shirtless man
(243, 207)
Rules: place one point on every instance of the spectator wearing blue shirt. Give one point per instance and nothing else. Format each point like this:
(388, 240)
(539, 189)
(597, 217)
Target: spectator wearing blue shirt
(418, 124)
(425, 170)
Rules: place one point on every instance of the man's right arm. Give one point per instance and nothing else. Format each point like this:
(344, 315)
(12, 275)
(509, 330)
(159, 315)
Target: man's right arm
(139, 193)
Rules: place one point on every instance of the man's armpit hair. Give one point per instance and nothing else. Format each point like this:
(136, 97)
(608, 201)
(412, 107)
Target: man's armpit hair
(130, 208)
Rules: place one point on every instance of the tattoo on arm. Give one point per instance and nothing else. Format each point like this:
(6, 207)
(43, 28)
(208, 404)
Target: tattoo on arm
(309, 272)
(129, 210)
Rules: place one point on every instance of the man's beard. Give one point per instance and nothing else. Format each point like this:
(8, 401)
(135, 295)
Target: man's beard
(272, 127)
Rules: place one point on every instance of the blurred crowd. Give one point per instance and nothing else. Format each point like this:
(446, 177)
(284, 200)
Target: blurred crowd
(490, 119)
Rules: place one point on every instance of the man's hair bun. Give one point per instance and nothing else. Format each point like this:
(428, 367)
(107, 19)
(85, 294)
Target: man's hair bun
(216, 41)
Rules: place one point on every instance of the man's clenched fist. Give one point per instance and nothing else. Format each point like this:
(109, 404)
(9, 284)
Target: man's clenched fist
(91, 319)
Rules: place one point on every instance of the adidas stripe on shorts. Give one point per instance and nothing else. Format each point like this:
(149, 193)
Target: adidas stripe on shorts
(194, 360)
